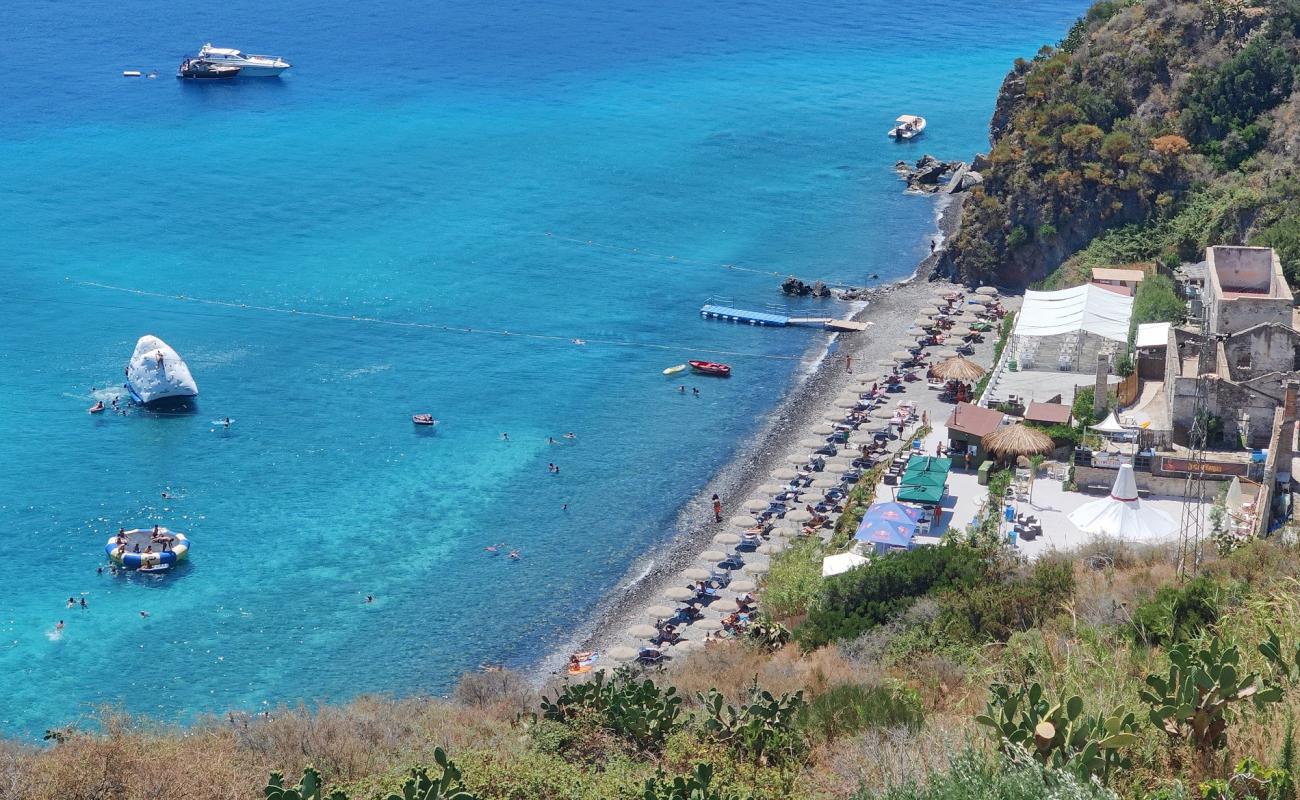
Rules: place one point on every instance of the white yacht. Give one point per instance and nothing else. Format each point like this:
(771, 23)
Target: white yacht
(907, 127)
(250, 66)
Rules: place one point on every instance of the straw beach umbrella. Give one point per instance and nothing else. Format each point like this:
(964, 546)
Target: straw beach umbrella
(756, 569)
(712, 555)
(784, 474)
(823, 429)
(741, 586)
(754, 504)
(847, 401)
(695, 574)
(960, 331)
(622, 653)
(660, 612)
(1017, 440)
(946, 352)
(987, 291)
(772, 488)
(883, 413)
(958, 369)
(743, 521)
(678, 593)
(727, 538)
(901, 355)
(642, 632)
(797, 459)
(813, 442)
(825, 482)
(798, 515)
(707, 625)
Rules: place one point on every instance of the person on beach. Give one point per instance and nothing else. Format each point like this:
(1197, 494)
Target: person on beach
(717, 509)
(848, 363)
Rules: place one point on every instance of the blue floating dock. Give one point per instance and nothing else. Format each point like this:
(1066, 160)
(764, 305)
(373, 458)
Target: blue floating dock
(711, 311)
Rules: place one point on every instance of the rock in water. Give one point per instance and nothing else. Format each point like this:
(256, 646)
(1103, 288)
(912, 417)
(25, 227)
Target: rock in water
(157, 376)
(820, 289)
(796, 287)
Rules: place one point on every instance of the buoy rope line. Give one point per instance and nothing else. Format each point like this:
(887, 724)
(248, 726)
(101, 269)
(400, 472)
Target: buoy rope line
(431, 326)
(679, 260)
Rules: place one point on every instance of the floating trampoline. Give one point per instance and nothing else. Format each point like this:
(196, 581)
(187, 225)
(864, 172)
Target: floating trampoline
(148, 549)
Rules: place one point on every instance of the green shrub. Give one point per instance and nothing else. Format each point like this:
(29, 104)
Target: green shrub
(850, 708)
(1156, 300)
(976, 775)
(794, 580)
(884, 588)
(763, 729)
(639, 712)
(1177, 613)
(994, 610)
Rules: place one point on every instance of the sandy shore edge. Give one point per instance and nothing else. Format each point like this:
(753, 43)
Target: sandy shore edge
(890, 311)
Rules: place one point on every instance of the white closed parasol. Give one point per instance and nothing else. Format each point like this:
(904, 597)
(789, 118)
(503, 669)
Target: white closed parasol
(1122, 514)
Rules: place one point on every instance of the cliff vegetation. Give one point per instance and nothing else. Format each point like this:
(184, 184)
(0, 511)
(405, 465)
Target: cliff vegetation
(1154, 128)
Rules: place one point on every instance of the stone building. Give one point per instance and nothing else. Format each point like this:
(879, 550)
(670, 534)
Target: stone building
(1254, 350)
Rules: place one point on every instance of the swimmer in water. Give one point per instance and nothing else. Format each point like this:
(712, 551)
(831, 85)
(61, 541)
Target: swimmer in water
(681, 390)
(83, 602)
(370, 598)
(491, 548)
(59, 628)
(227, 422)
(505, 437)
(551, 440)
(564, 507)
(514, 554)
(571, 435)
(695, 391)
(144, 613)
(71, 603)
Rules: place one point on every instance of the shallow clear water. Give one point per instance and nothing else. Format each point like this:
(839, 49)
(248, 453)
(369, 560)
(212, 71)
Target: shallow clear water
(566, 170)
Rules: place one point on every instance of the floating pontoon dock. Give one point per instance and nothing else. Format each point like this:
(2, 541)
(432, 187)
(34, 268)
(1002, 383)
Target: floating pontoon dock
(774, 318)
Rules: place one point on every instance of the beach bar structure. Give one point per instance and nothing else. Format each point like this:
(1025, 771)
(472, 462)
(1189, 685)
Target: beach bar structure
(968, 425)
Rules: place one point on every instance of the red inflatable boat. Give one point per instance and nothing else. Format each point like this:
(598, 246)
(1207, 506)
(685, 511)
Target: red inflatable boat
(711, 368)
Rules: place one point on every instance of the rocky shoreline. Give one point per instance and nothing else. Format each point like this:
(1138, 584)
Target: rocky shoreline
(889, 311)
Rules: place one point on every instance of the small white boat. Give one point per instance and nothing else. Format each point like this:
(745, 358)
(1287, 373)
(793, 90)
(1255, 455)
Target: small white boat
(250, 66)
(675, 370)
(907, 127)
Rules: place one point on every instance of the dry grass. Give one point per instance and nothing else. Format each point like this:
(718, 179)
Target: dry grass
(731, 668)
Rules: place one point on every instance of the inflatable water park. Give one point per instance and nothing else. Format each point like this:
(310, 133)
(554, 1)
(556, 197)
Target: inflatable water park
(153, 549)
(157, 377)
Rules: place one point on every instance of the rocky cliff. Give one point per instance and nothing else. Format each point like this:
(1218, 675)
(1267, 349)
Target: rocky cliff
(1171, 120)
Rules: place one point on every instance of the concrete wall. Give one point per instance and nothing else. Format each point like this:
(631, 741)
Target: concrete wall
(1261, 350)
(1242, 269)
(1234, 316)
(1100, 478)
(1241, 410)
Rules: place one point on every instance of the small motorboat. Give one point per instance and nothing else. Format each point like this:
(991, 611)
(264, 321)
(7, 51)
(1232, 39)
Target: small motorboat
(675, 370)
(198, 69)
(711, 368)
(907, 127)
(423, 419)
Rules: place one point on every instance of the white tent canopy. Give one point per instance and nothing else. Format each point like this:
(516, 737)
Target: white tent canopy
(1084, 308)
(1152, 334)
(1109, 425)
(841, 562)
(1122, 513)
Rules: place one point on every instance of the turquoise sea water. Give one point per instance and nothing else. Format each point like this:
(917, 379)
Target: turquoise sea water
(568, 170)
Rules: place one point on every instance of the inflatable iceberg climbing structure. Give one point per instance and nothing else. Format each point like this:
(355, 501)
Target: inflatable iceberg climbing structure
(157, 377)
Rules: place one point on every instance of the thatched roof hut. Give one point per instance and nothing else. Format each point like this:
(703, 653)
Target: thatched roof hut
(1017, 440)
(958, 369)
